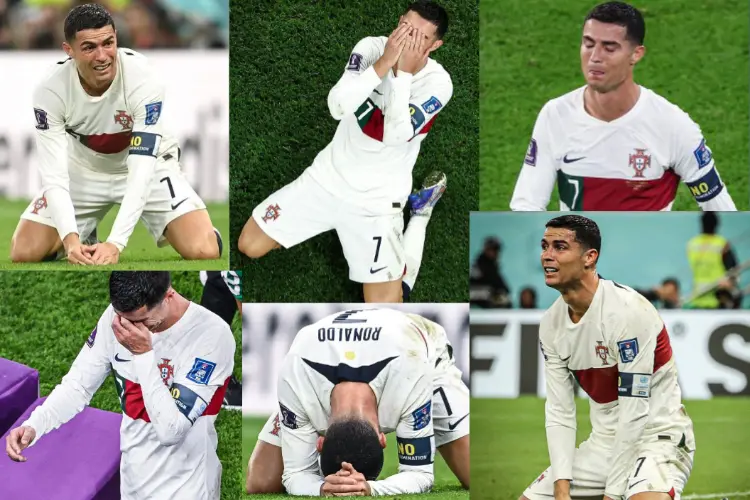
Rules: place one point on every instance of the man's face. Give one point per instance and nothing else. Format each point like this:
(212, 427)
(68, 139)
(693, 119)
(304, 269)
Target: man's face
(607, 57)
(150, 318)
(95, 54)
(671, 293)
(563, 259)
(428, 29)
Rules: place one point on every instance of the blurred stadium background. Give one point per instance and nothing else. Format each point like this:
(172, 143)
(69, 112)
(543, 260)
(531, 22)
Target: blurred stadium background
(187, 43)
(711, 345)
(267, 333)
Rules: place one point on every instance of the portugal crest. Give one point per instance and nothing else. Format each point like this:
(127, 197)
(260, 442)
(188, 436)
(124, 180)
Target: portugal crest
(166, 370)
(602, 351)
(124, 120)
(272, 213)
(39, 204)
(640, 161)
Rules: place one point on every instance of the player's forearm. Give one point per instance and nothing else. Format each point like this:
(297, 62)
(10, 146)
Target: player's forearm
(170, 424)
(302, 483)
(403, 483)
(61, 207)
(397, 125)
(633, 417)
(351, 91)
(722, 202)
(141, 172)
(533, 190)
(561, 444)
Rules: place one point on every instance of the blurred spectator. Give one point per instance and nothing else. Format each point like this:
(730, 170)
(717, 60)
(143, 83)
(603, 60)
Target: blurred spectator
(527, 298)
(487, 287)
(665, 296)
(711, 256)
(140, 24)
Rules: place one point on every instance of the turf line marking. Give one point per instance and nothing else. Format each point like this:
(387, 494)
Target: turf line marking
(719, 495)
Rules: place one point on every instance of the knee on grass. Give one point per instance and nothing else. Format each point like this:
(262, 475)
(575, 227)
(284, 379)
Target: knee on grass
(255, 248)
(21, 251)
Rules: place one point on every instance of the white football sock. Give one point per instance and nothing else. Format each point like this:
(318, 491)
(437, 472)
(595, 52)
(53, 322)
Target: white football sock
(414, 237)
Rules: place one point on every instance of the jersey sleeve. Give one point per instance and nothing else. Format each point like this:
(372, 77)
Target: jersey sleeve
(695, 165)
(408, 111)
(357, 82)
(559, 409)
(52, 154)
(298, 443)
(173, 410)
(146, 99)
(74, 392)
(415, 443)
(635, 341)
(538, 172)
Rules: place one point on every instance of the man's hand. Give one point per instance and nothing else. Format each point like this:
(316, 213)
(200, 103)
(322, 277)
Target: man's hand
(351, 482)
(393, 49)
(18, 440)
(134, 337)
(105, 253)
(414, 55)
(76, 252)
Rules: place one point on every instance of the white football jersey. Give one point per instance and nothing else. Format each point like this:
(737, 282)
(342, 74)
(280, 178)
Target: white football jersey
(382, 124)
(619, 353)
(95, 132)
(635, 162)
(396, 354)
(170, 397)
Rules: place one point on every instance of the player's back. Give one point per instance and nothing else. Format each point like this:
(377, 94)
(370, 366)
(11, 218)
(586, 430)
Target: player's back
(99, 129)
(620, 347)
(380, 347)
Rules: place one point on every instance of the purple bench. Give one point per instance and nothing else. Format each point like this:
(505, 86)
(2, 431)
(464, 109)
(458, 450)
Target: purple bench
(78, 461)
(19, 388)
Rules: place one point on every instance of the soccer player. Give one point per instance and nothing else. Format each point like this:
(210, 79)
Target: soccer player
(100, 142)
(386, 102)
(171, 360)
(613, 144)
(347, 380)
(610, 340)
(222, 295)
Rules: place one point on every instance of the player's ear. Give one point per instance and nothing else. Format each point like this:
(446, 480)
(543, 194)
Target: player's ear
(319, 444)
(436, 45)
(637, 55)
(68, 49)
(381, 438)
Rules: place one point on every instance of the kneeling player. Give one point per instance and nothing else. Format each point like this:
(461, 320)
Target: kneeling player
(613, 342)
(346, 381)
(100, 142)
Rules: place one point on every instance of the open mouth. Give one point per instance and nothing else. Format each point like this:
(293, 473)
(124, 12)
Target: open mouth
(102, 67)
(550, 270)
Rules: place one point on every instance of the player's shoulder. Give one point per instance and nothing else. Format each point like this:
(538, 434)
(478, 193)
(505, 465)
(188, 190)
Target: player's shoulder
(57, 76)
(563, 106)
(437, 74)
(132, 58)
(660, 109)
(371, 43)
(623, 302)
(135, 66)
(553, 317)
(212, 327)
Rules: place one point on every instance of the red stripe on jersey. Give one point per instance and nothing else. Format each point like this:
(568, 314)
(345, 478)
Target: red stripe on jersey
(215, 405)
(671, 493)
(627, 194)
(134, 406)
(374, 126)
(427, 127)
(663, 352)
(107, 143)
(599, 383)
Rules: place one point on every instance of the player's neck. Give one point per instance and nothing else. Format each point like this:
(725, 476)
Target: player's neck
(610, 106)
(579, 297)
(91, 90)
(178, 307)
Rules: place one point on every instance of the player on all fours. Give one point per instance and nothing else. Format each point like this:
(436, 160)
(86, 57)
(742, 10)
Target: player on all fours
(100, 142)
(222, 295)
(386, 102)
(347, 380)
(613, 144)
(610, 340)
(171, 360)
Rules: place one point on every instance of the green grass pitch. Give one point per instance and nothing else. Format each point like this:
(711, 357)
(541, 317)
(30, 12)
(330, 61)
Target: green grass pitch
(286, 56)
(446, 486)
(509, 448)
(47, 317)
(696, 57)
(141, 252)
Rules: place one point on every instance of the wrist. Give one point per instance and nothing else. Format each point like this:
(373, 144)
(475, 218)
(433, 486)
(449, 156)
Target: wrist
(116, 245)
(382, 66)
(71, 240)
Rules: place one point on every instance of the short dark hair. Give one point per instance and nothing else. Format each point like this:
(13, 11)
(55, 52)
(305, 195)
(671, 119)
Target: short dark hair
(671, 281)
(709, 223)
(585, 230)
(622, 14)
(354, 441)
(86, 17)
(430, 11)
(131, 290)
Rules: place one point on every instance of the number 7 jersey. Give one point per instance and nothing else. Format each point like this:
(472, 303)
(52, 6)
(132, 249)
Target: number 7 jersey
(635, 162)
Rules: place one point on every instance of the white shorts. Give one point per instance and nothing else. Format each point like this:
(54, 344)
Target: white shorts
(661, 466)
(450, 411)
(94, 193)
(372, 244)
